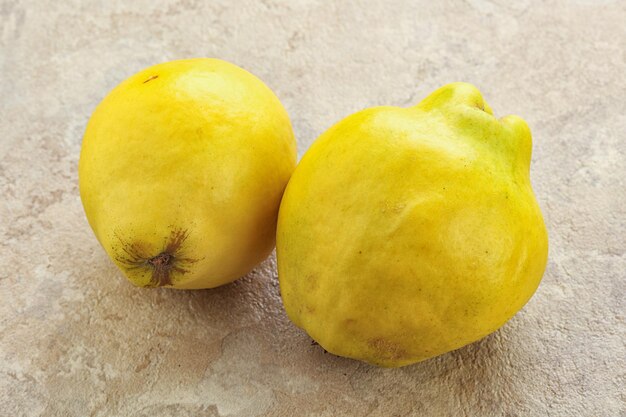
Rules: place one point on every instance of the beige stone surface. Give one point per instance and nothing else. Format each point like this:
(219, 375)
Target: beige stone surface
(77, 340)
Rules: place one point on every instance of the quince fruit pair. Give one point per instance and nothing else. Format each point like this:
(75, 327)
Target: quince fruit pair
(403, 233)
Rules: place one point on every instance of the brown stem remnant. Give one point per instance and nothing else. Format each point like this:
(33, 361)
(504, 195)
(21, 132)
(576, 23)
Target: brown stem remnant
(163, 265)
(151, 78)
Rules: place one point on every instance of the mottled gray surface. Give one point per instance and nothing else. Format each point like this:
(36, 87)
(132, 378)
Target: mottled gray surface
(77, 340)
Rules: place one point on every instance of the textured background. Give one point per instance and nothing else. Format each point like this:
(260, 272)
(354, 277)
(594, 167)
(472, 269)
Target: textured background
(77, 340)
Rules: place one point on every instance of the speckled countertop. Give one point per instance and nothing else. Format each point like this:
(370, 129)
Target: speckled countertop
(77, 340)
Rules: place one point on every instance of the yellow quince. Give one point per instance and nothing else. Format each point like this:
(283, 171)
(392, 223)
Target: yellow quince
(181, 173)
(405, 233)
